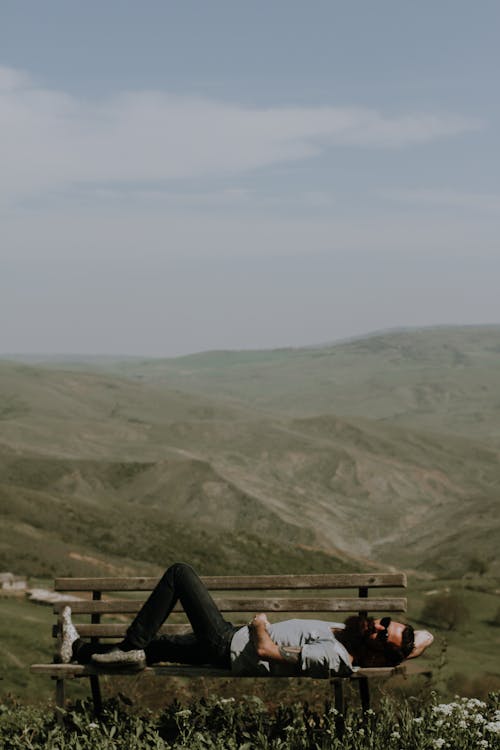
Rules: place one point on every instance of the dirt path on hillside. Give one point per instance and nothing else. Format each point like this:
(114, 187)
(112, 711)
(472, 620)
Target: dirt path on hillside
(12, 658)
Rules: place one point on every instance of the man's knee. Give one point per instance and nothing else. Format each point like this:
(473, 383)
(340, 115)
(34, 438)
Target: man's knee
(178, 570)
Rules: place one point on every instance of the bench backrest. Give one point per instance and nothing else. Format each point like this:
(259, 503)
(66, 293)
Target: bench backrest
(118, 599)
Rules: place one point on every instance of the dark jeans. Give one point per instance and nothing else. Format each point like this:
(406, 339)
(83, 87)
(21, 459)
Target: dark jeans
(210, 641)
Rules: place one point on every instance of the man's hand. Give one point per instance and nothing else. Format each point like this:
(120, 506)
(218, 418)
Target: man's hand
(258, 632)
(258, 621)
(265, 647)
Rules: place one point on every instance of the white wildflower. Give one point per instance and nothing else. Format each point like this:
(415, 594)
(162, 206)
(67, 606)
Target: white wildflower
(493, 726)
(475, 703)
(93, 725)
(462, 724)
(183, 713)
(439, 743)
(395, 736)
(479, 719)
(444, 708)
(483, 743)
(418, 719)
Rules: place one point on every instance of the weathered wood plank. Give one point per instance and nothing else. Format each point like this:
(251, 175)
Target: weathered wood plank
(69, 671)
(243, 583)
(312, 604)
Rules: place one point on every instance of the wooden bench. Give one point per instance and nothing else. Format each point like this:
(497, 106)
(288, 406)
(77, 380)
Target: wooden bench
(322, 596)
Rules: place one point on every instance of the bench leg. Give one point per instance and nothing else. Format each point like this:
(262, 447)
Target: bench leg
(338, 689)
(364, 693)
(60, 700)
(96, 694)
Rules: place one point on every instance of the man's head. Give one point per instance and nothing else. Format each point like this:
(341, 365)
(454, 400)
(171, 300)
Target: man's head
(411, 642)
(381, 642)
(397, 634)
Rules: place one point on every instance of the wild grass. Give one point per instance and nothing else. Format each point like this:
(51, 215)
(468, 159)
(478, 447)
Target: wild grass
(227, 724)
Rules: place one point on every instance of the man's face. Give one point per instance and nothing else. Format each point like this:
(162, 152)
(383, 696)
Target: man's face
(393, 629)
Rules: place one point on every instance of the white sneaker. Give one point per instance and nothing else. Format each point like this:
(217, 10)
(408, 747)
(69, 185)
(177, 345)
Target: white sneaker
(69, 636)
(136, 659)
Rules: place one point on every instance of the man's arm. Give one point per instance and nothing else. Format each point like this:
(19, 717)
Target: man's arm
(266, 648)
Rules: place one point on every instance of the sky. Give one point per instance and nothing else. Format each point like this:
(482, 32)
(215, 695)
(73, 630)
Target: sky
(184, 176)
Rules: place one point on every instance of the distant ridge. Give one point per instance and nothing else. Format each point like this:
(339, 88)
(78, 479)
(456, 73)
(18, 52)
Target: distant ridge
(83, 358)
(440, 378)
(402, 329)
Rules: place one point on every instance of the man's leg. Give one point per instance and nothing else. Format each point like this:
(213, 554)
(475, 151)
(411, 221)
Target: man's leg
(177, 649)
(181, 583)
(83, 651)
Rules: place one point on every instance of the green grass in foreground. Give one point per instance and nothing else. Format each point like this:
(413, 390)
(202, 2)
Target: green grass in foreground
(216, 724)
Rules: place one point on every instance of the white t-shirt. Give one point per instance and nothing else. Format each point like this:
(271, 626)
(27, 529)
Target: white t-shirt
(321, 653)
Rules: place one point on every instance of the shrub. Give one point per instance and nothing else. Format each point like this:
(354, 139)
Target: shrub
(479, 686)
(478, 565)
(446, 611)
(496, 619)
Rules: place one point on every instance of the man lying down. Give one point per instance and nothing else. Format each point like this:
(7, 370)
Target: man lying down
(316, 648)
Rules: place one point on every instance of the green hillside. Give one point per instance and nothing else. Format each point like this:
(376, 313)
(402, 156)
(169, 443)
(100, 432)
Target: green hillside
(85, 482)
(137, 470)
(80, 522)
(440, 379)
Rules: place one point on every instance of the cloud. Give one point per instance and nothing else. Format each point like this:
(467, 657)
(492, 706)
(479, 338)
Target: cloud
(445, 198)
(52, 140)
(11, 79)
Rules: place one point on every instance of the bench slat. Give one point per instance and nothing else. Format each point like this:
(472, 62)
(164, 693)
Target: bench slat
(243, 583)
(130, 606)
(68, 671)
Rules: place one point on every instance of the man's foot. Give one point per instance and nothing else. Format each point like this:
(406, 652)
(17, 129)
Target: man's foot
(69, 636)
(134, 659)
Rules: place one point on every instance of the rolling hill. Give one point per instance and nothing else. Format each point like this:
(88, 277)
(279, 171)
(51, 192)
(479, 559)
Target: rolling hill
(123, 467)
(443, 379)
